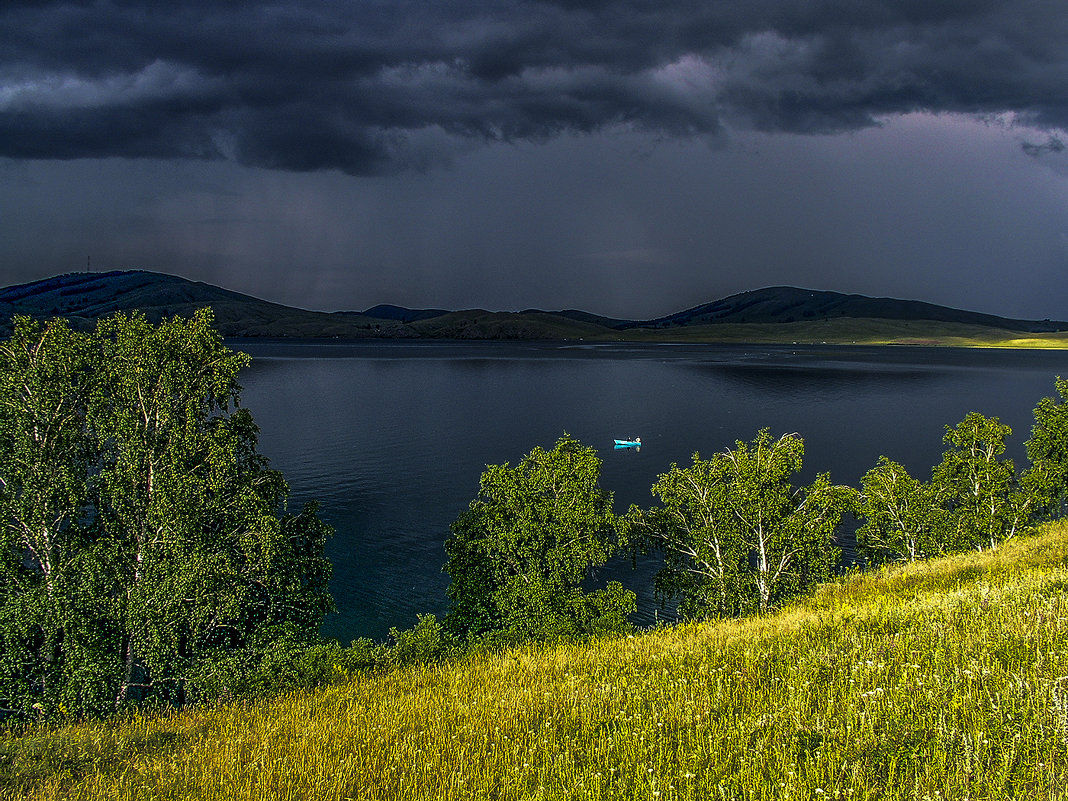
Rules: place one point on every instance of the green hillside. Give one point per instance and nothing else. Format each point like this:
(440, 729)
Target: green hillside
(938, 680)
(86, 297)
(852, 331)
(787, 304)
(775, 315)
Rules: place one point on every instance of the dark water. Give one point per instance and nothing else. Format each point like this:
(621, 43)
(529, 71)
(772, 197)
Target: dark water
(392, 437)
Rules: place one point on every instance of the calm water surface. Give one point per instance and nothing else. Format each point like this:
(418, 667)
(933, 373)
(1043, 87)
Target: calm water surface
(391, 437)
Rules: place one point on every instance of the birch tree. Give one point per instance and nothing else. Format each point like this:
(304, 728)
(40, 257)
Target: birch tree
(903, 516)
(1047, 449)
(736, 535)
(54, 572)
(706, 563)
(519, 553)
(979, 489)
(146, 549)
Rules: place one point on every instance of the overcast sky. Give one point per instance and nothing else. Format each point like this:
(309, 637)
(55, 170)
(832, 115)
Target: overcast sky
(628, 157)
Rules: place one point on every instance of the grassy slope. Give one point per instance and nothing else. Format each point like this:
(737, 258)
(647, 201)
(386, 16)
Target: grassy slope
(940, 680)
(852, 331)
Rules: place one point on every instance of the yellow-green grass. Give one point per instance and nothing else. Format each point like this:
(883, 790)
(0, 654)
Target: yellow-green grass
(851, 331)
(943, 680)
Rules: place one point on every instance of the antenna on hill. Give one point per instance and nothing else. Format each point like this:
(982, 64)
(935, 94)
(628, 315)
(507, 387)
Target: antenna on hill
(88, 264)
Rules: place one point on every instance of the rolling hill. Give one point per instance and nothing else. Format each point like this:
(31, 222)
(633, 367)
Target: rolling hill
(774, 314)
(783, 304)
(84, 298)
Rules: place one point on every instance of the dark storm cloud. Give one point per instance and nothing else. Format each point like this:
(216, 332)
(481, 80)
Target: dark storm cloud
(375, 86)
(1052, 145)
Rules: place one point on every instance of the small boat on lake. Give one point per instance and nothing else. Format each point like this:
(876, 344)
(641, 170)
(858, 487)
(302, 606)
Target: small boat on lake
(635, 442)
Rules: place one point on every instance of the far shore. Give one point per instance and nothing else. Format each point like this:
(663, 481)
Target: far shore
(852, 331)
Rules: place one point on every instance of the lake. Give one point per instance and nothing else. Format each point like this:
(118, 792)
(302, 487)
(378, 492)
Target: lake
(391, 437)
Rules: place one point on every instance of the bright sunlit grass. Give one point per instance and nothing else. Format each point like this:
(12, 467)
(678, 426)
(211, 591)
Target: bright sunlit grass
(944, 680)
(852, 331)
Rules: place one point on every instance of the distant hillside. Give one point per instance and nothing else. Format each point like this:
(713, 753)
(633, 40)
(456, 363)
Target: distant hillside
(385, 311)
(479, 324)
(85, 297)
(784, 304)
(775, 314)
(586, 317)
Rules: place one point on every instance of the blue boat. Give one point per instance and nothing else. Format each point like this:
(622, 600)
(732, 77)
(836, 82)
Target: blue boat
(629, 443)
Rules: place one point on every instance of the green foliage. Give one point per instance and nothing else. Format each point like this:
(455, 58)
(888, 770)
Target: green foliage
(518, 554)
(426, 642)
(285, 661)
(978, 490)
(736, 535)
(1047, 480)
(903, 516)
(974, 499)
(143, 554)
(604, 612)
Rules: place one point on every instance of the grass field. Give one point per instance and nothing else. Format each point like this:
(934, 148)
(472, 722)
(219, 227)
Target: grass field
(851, 331)
(943, 680)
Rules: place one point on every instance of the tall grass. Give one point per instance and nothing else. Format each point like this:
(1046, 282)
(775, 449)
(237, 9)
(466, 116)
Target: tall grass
(943, 680)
